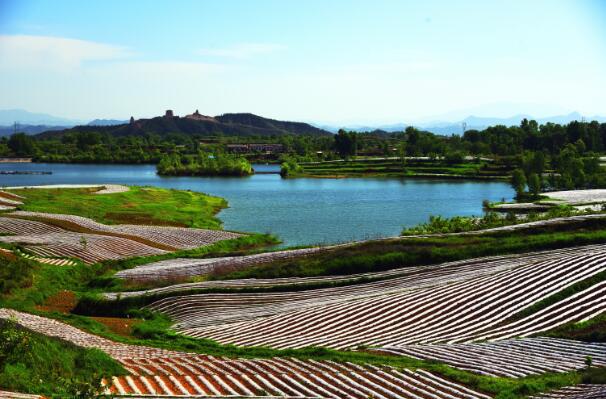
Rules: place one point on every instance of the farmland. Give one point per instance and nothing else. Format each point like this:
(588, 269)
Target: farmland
(180, 307)
(395, 166)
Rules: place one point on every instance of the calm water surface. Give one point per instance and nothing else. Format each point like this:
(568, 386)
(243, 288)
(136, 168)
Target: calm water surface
(299, 211)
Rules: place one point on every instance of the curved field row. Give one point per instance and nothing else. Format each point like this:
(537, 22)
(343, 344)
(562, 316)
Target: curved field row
(162, 372)
(221, 308)
(579, 307)
(421, 275)
(174, 237)
(440, 313)
(509, 358)
(26, 227)
(279, 377)
(49, 261)
(582, 391)
(183, 267)
(9, 201)
(90, 248)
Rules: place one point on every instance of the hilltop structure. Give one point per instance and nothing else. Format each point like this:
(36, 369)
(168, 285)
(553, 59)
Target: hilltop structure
(199, 117)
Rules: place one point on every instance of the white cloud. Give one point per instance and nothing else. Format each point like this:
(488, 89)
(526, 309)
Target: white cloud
(242, 50)
(55, 53)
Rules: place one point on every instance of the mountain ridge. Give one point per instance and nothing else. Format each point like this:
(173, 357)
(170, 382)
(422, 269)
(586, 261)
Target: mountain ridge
(231, 124)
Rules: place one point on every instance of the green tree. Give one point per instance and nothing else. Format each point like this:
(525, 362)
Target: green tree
(346, 143)
(518, 181)
(22, 145)
(534, 184)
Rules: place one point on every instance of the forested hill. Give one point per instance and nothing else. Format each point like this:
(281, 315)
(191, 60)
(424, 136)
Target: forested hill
(228, 125)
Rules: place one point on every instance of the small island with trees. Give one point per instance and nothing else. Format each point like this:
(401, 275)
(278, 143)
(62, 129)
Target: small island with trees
(204, 164)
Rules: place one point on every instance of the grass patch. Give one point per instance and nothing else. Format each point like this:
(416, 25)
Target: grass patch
(37, 364)
(15, 273)
(139, 205)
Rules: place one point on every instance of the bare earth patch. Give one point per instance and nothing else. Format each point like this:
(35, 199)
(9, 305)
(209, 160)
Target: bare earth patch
(63, 302)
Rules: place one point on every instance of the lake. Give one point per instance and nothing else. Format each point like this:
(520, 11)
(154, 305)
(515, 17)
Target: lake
(299, 211)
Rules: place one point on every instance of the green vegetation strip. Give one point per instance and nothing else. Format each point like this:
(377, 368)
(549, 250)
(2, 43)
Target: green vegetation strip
(458, 224)
(139, 205)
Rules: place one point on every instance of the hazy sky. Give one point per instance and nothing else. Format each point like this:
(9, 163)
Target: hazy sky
(342, 61)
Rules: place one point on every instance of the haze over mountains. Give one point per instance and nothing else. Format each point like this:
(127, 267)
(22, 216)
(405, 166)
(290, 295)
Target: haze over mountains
(471, 122)
(250, 124)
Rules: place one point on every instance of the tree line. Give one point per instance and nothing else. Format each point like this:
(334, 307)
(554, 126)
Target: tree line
(495, 141)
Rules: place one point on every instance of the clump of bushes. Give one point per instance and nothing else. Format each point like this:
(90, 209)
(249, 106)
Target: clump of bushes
(204, 164)
(37, 364)
(458, 224)
(15, 273)
(290, 167)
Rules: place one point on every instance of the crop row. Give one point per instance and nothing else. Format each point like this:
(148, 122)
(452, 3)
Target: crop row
(174, 237)
(10, 225)
(416, 276)
(368, 314)
(281, 377)
(509, 358)
(180, 267)
(90, 248)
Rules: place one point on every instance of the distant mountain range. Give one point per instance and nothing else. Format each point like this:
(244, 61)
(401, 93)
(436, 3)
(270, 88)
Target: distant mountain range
(8, 117)
(244, 124)
(471, 122)
(106, 122)
(228, 124)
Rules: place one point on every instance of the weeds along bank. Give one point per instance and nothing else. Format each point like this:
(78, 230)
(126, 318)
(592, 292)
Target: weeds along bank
(354, 296)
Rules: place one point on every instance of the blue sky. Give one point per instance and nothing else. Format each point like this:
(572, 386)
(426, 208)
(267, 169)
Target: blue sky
(327, 61)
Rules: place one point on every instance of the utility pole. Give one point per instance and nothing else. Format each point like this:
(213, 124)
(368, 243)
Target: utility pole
(464, 126)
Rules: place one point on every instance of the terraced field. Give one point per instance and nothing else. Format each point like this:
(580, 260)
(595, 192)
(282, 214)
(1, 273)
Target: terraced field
(281, 377)
(94, 242)
(412, 276)
(89, 248)
(161, 372)
(171, 237)
(509, 358)
(398, 311)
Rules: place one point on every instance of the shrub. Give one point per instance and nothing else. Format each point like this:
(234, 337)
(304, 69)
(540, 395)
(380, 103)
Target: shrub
(15, 273)
(34, 363)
